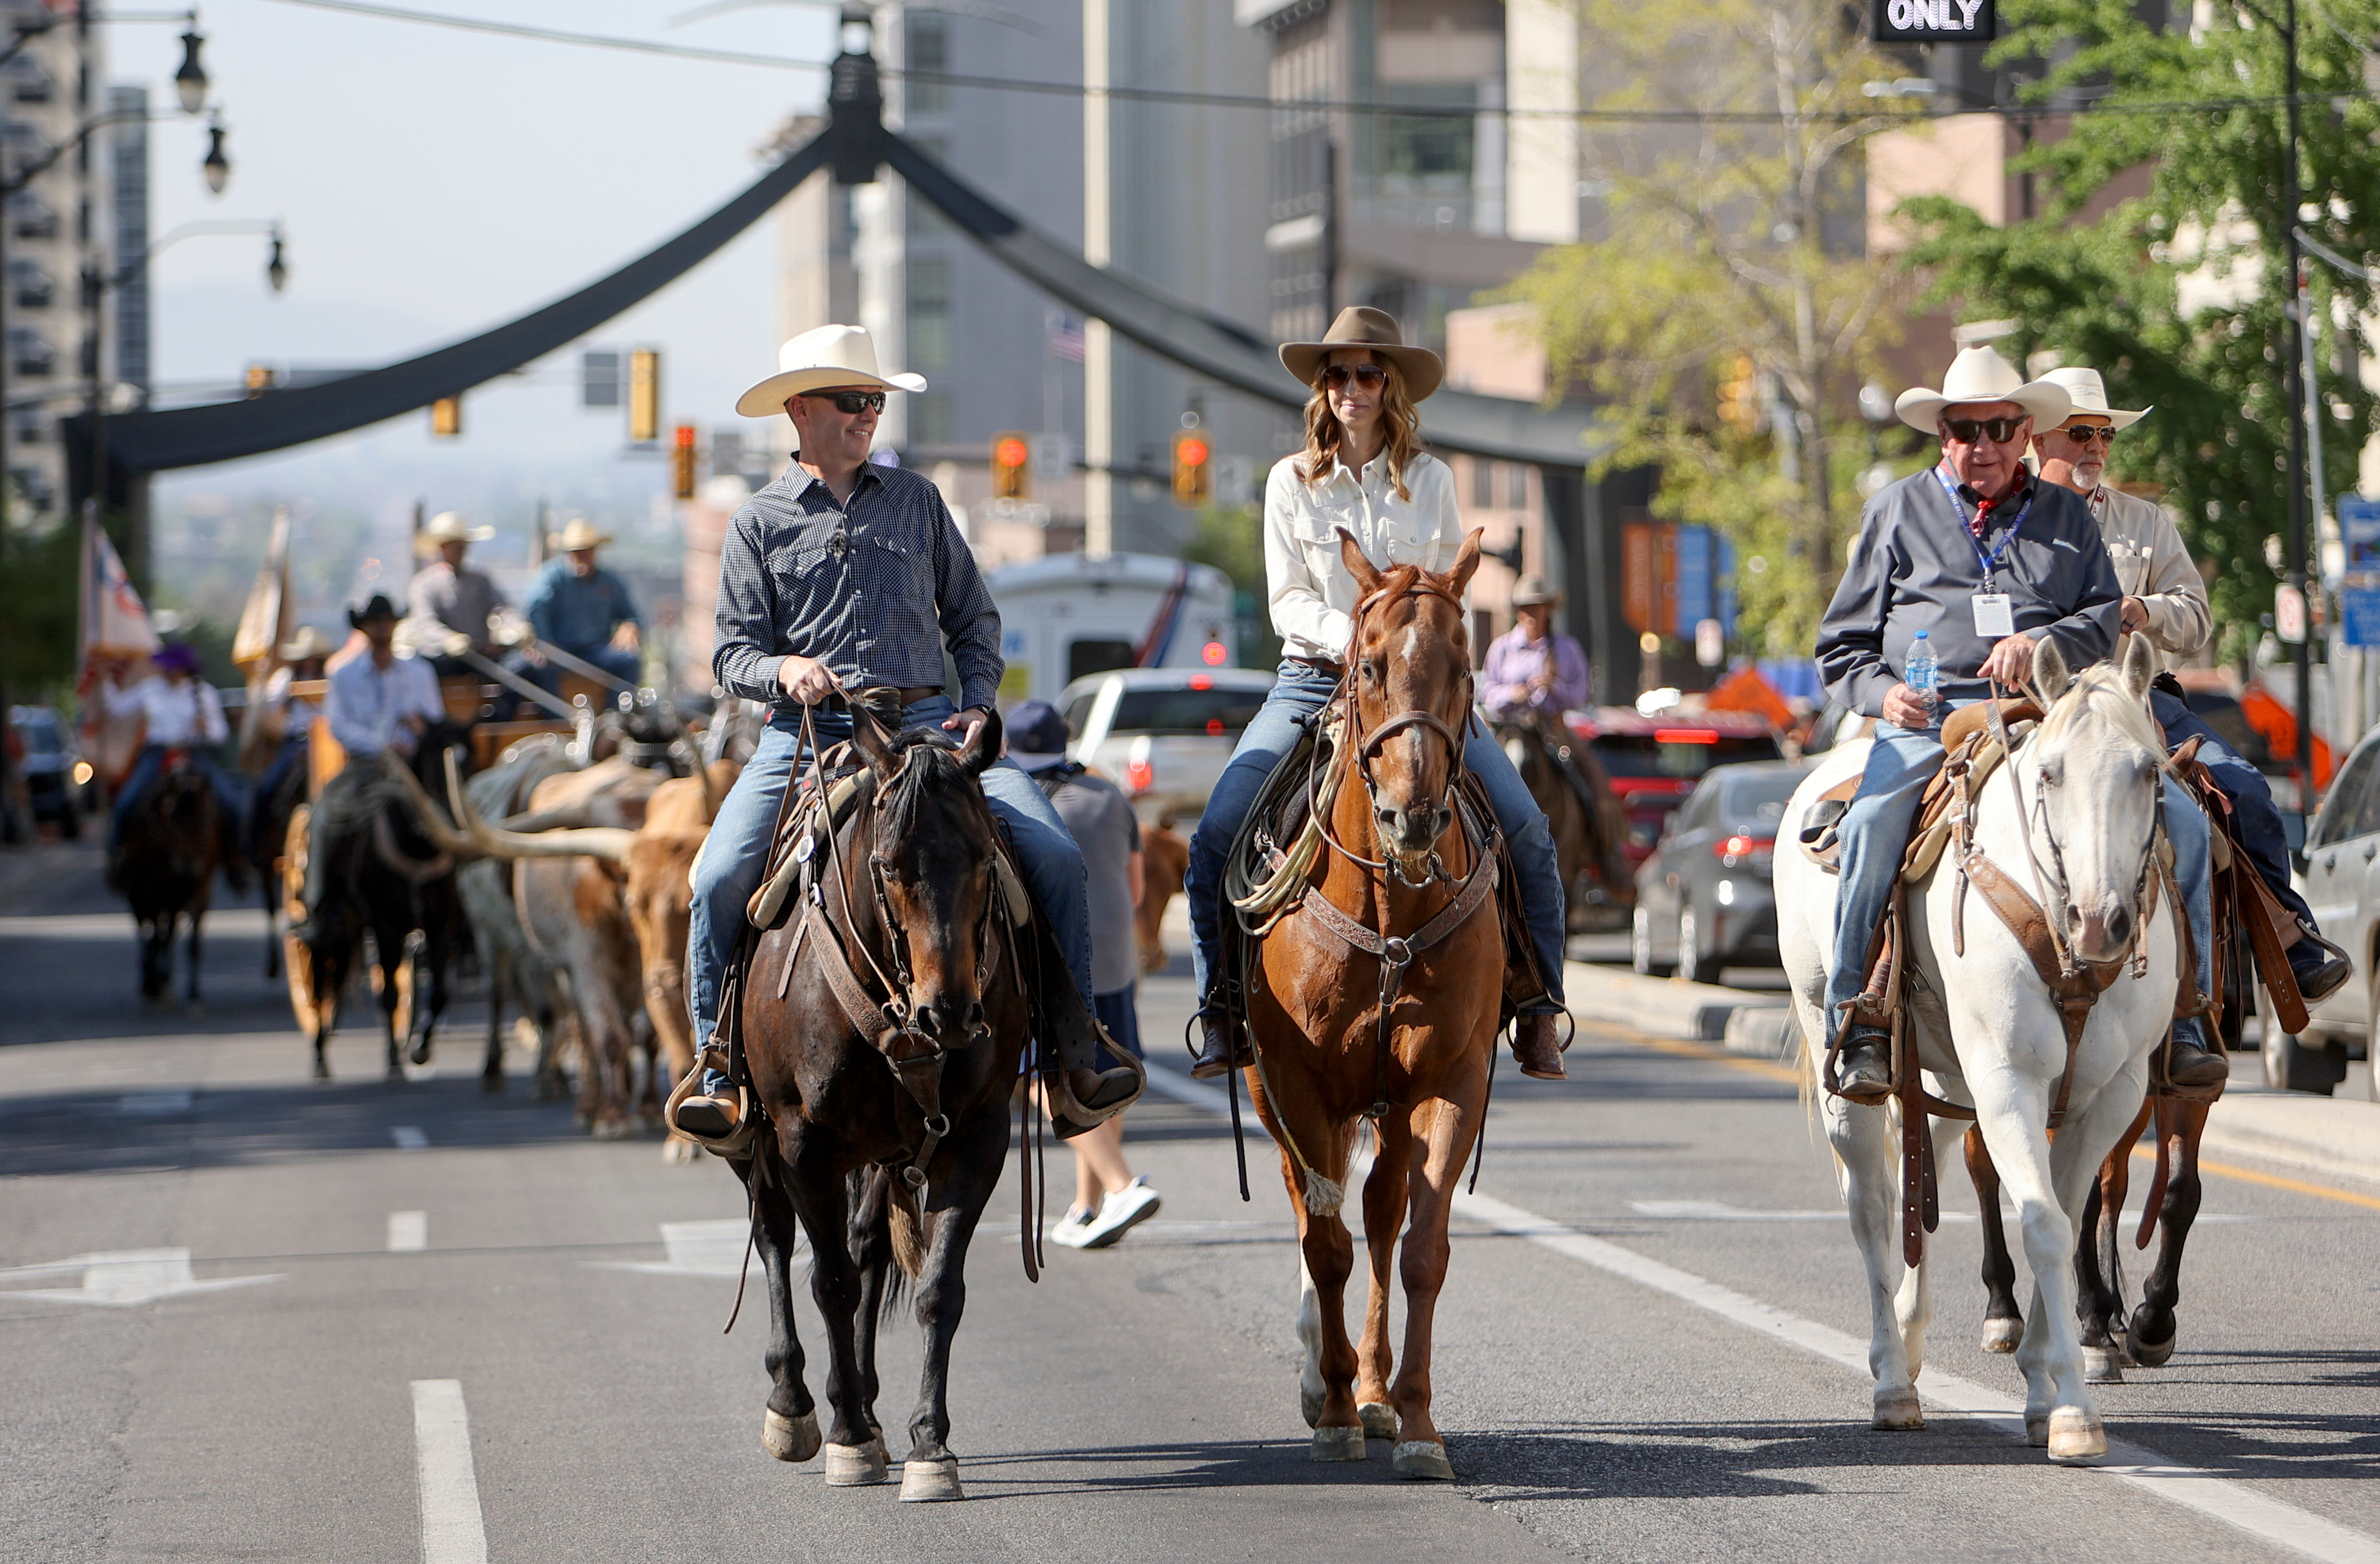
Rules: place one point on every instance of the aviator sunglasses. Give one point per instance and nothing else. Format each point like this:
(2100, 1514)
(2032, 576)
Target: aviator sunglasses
(1998, 431)
(2083, 434)
(852, 401)
(1368, 376)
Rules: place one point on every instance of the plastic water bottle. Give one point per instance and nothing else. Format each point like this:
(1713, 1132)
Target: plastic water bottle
(1921, 671)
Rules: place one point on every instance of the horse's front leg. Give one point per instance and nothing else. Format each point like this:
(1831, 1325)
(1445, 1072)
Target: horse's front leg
(2003, 1324)
(429, 1006)
(198, 921)
(1326, 1384)
(2098, 1262)
(855, 1451)
(1384, 1213)
(868, 1231)
(965, 1170)
(789, 1427)
(1438, 1143)
(1868, 1152)
(2154, 1327)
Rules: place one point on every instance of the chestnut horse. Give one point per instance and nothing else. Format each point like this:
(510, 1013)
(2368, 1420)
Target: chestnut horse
(1378, 995)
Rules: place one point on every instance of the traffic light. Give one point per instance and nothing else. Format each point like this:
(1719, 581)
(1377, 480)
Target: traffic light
(1011, 461)
(446, 417)
(682, 459)
(644, 396)
(1194, 470)
(1739, 396)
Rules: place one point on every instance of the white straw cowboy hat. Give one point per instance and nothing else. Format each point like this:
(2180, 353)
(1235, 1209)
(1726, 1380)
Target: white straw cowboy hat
(1531, 591)
(2090, 394)
(307, 642)
(577, 535)
(1360, 326)
(831, 356)
(449, 526)
(1980, 374)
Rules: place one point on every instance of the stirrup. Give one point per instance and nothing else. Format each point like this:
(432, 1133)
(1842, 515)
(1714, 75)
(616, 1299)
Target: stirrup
(736, 1142)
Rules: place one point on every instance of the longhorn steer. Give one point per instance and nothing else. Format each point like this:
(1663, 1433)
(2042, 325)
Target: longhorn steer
(660, 904)
(517, 969)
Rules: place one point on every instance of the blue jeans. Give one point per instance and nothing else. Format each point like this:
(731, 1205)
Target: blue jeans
(1876, 835)
(146, 768)
(2255, 821)
(733, 856)
(1303, 689)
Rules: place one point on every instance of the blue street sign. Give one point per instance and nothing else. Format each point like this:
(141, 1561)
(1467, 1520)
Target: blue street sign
(2359, 615)
(2358, 528)
(1692, 579)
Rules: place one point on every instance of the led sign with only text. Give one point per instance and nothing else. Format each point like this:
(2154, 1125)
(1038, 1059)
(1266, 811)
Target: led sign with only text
(1933, 21)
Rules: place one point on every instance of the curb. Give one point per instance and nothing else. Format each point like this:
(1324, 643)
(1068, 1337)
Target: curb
(1698, 1013)
(2337, 1139)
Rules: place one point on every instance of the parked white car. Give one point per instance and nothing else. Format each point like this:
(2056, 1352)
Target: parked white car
(2341, 885)
(1163, 734)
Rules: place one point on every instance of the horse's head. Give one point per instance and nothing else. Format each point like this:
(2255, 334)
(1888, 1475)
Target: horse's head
(2091, 776)
(1409, 667)
(924, 857)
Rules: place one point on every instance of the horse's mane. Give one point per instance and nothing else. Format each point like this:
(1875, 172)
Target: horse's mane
(929, 766)
(2099, 690)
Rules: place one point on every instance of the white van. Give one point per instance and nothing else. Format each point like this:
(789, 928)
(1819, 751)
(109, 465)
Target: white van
(1067, 616)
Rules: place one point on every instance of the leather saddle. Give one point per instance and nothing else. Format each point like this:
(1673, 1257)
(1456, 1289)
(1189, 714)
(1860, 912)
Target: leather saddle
(1973, 752)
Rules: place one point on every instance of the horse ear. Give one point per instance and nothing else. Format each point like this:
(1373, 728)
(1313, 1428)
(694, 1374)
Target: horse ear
(875, 744)
(2140, 666)
(1466, 559)
(2050, 674)
(1368, 580)
(977, 754)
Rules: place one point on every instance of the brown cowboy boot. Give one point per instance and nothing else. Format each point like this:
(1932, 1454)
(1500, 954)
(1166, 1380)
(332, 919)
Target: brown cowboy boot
(2191, 1063)
(707, 1117)
(1534, 1047)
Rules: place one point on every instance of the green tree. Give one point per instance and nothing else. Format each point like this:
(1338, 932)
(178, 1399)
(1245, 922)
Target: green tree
(1231, 538)
(2176, 295)
(1726, 313)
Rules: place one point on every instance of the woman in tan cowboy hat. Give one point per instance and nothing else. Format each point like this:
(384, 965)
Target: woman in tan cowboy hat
(1364, 471)
(583, 609)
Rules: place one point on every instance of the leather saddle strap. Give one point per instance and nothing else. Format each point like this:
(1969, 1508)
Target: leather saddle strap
(2074, 993)
(866, 1016)
(1357, 937)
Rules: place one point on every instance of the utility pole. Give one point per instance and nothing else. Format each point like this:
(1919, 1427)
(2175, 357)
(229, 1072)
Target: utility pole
(1098, 248)
(2297, 397)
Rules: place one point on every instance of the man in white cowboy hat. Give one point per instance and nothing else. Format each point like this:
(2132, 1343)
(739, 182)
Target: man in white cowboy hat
(447, 598)
(584, 609)
(1532, 672)
(1986, 560)
(845, 574)
(2165, 598)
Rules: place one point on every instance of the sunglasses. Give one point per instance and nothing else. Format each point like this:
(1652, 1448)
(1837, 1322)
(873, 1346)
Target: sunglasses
(852, 401)
(2083, 434)
(1966, 432)
(1369, 376)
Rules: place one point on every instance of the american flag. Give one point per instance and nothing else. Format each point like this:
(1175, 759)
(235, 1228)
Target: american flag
(1066, 338)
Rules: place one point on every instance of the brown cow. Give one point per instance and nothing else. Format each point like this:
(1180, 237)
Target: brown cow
(659, 905)
(1165, 858)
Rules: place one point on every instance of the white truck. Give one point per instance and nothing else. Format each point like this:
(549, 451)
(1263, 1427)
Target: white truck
(1067, 616)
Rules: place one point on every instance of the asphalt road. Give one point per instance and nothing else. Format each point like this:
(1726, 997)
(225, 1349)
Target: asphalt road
(372, 1322)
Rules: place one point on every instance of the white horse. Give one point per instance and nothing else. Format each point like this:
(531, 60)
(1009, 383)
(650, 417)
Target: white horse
(1987, 1029)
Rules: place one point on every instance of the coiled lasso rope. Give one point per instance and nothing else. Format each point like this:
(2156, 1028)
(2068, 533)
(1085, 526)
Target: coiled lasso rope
(1263, 903)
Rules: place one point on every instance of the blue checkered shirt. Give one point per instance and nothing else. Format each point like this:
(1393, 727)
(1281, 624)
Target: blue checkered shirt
(872, 591)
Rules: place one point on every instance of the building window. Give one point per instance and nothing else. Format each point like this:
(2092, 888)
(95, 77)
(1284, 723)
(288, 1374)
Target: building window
(28, 351)
(1421, 163)
(29, 286)
(928, 49)
(930, 312)
(1516, 487)
(929, 419)
(27, 428)
(31, 217)
(925, 221)
(28, 80)
(1483, 483)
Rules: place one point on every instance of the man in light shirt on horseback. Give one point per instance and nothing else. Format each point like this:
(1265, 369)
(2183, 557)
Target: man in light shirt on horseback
(1986, 560)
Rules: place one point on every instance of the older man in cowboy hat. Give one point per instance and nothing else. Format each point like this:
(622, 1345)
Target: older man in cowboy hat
(2165, 598)
(1986, 560)
(446, 598)
(584, 609)
(1532, 672)
(841, 575)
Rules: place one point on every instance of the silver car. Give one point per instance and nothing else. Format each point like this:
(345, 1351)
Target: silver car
(2341, 885)
(1162, 735)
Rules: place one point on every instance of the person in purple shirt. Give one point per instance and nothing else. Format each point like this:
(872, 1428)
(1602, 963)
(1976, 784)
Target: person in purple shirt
(1532, 672)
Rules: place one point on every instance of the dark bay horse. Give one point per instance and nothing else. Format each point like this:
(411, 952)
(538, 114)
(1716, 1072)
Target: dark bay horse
(1379, 995)
(177, 837)
(1589, 827)
(854, 1151)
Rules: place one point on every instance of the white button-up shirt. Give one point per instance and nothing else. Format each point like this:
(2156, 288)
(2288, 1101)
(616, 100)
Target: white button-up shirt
(183, 714)
(366, 702)
(1313, 596)
(2152, 565)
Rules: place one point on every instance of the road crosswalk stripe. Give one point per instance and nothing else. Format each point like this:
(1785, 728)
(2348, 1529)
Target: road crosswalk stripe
(452, 1530)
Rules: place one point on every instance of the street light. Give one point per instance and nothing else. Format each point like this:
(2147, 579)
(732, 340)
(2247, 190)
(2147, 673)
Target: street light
(190, 81)
(276, 270)
(216, 166)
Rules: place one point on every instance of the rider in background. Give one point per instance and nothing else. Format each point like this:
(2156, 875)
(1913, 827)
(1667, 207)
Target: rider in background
(1532, 672)
(283, 723)
(1363, 469)
(447, 598)
(585, 609)
(2165, 598)
(1107, 1200)
(1986, 560)
(181, 711)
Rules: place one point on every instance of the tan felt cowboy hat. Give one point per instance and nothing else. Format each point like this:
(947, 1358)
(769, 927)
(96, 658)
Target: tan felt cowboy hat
(307, 642)
(2090, 394)
(829, 358)
(1359, 325)
(448, 526)
(577, 535)
(1980, 374)
(1531, 591)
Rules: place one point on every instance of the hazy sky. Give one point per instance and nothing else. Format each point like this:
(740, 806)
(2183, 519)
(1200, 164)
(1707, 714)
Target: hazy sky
(436, 182)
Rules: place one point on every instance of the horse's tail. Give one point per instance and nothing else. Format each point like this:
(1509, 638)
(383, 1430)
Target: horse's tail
(908, 1240)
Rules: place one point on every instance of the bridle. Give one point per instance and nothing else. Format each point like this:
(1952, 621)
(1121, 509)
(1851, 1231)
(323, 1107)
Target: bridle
(1367, 746)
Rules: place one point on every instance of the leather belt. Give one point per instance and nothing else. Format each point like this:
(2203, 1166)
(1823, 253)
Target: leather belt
(1321, 665)
(910, 696)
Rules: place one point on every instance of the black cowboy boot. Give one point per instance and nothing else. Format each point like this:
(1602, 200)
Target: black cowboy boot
(2192, 1063)
(1864, 1072)
(2320, 967)
(1224, 1044)
(1534, 1047)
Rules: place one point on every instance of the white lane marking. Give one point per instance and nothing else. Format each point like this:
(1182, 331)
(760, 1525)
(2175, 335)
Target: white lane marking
(153, 1102)
(711, 1248)
(408, 1231)
(122, 1277)
(2218, 1498)
(1721, 1211)
(409, 1138)
(452, 1531)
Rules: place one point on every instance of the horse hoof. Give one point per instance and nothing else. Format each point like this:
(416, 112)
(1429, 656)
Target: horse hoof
(2036, 1429)
(927, 1482)
(2102, 1366)
(420, 1054)
(856, 1466)
(322, 1070)
(1310, 1404)
(1899, 1411)
(790, 1438)
(1379, 1418)
(2002, 1335)
(2075, 1435)
(1424, 1458)
(2151, 1355)
(1337, 1444)
(492, 1083)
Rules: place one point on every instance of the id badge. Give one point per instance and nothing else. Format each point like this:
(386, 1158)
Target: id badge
(1994, 616)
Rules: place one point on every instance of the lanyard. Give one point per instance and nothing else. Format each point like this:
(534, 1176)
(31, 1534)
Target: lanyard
(1989, 562)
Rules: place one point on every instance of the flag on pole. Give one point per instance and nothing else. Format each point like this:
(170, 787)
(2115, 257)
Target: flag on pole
(1066, 340)
(264, 629)
(115, 624)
